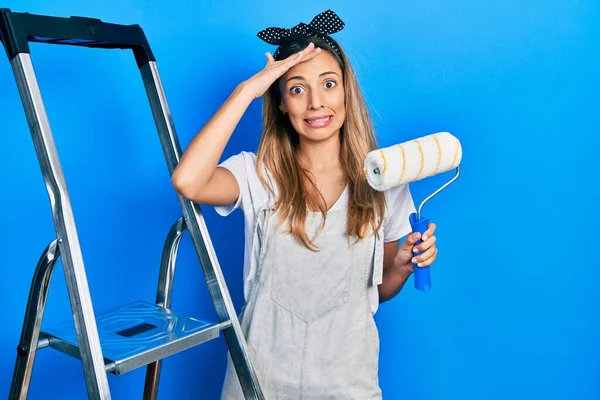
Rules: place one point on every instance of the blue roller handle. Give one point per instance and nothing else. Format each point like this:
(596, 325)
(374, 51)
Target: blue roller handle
(421, 274)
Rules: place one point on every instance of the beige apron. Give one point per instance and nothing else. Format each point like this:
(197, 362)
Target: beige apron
(308, 322)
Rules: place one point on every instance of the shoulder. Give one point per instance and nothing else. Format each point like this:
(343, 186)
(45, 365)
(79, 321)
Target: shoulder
(396, 195)
(398, 207)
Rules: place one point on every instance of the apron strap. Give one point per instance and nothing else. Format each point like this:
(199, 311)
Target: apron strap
(377, 278)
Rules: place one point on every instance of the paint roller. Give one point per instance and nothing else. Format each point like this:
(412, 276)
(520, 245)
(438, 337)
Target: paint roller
(409, 162)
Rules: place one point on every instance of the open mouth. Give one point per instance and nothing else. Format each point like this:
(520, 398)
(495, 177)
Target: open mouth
(318, 122)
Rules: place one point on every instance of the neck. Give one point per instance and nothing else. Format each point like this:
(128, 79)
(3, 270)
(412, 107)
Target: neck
(320, 156)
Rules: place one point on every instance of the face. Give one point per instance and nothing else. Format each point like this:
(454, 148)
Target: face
(313, 98)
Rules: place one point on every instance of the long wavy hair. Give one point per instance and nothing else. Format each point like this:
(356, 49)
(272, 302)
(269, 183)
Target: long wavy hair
(298, 192)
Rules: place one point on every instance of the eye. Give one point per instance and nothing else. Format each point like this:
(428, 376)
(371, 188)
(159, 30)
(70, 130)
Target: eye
(330, 83)
(296, 89)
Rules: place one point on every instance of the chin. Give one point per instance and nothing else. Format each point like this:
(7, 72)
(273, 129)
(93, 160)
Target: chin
(319, 136)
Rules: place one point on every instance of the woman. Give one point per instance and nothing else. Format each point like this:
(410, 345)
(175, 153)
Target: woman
(321, 245)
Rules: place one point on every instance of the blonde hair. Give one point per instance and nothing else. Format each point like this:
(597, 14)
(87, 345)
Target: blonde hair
(297, 191)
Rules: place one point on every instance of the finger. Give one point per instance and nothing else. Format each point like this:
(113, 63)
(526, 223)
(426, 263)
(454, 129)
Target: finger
(284, 65)
(285, 61)
(426, 258)
(315, 52)
(427, 262)
(412, 239)
(296, 58)
(425, 244)
(270, 59)
(311, 47)
(310, 50)
(429, 231)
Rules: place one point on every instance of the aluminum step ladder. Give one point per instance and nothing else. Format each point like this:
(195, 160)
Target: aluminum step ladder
(133, 335)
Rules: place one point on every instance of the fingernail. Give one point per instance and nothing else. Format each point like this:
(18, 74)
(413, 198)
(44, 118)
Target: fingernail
(424, 237)
(416, 235)
(415, 250)
(414, 260)
(419, 264)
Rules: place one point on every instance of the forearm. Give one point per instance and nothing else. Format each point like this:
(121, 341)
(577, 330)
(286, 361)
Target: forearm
(200, 160)
(393, 281)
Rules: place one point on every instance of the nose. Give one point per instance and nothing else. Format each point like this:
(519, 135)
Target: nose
(314, 101)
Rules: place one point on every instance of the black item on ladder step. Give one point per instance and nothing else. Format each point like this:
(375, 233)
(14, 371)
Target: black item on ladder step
(17, 29)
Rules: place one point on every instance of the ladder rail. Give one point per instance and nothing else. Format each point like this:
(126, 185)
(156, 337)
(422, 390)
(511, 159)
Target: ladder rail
(167, 263)
(32, 322)
(66, 231)
(163, 297)
(200, 237)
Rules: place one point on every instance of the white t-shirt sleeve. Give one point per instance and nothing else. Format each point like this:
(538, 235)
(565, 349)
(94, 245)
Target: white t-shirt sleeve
(253, 196)
(399, 205)
(239, 165)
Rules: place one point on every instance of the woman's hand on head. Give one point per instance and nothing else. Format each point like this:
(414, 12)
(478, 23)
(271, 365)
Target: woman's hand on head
(273, 70)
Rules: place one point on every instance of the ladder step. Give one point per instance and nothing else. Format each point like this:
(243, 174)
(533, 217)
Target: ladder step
(136, 334)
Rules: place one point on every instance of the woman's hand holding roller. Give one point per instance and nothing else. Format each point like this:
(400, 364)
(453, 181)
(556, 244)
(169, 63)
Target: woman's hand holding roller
(406, 255)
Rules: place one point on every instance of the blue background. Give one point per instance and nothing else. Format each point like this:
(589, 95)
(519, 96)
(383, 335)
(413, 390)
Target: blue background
(514, 308)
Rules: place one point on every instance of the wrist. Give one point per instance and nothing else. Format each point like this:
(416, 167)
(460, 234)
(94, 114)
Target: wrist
(242, 90)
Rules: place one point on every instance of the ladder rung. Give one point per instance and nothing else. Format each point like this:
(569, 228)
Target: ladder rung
(137, 334)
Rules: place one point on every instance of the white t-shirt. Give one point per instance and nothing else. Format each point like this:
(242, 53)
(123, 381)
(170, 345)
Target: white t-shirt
(254, 195)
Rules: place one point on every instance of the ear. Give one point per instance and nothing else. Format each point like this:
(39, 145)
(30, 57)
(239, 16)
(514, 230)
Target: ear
(282, 108)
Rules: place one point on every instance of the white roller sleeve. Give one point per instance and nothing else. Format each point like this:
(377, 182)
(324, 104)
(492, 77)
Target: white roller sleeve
(412, 160)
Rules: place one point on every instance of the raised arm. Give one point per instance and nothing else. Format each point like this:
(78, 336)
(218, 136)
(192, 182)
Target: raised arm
(197, 176)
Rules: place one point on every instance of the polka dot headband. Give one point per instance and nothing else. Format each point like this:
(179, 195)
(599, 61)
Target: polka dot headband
(320, 27)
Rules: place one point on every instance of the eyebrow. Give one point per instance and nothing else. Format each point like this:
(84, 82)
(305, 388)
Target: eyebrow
(303, 79)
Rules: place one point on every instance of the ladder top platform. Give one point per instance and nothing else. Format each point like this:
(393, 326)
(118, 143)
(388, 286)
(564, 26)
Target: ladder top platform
(17, 29)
